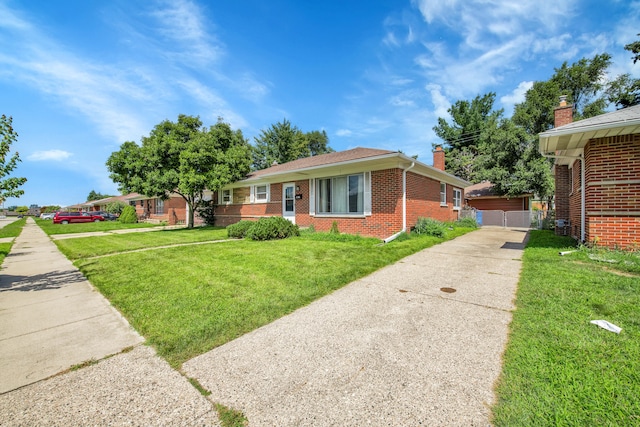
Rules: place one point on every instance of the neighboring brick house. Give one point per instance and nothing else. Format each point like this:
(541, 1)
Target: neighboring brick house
(172, 211)
(482, 196)
(597, 174)
(366, 191)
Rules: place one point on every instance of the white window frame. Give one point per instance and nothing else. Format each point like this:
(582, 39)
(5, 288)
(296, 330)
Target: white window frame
(256, 194)
(457, 199)
(443, 194)
(222, 196)
(366, 195)
(159, 208)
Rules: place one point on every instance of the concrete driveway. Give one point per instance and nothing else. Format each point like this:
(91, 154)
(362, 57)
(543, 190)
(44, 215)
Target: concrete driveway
(391, 349)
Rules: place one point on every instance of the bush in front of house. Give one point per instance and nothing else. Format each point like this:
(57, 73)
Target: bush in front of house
(239, 229)
(206, 211)
(274, 227)
(430, 227)
(128, 215)
(467, 222)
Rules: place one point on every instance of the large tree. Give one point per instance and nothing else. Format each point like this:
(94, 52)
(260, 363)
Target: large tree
(9, 187)
(182, 157)
(472, 124)
(282, 143)
(584, 84)
(93, 195)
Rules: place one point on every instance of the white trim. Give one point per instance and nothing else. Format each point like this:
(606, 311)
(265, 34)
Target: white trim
(312, 196)
(291, 218)
(459, 191)
(254, 193)
(443, 202)
(221, 197)
(367, 194)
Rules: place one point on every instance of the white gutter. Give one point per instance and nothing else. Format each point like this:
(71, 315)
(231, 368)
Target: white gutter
(582, 191)
(404, 205)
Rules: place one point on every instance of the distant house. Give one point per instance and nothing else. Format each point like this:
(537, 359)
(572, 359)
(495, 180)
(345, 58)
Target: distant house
(365, 191)
(172, 211)
(597, 176)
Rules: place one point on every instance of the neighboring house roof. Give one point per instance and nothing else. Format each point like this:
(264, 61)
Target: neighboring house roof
(107, 200)
(573, 137)
(344, 162)
(485, 190)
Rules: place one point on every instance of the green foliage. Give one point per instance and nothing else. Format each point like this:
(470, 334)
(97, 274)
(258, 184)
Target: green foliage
(466, 222)
(206, 211)
(274, 227)
(115, 207)
(239, 229)
(430, 227)
(22, 209)
(182, 157)
(128, 215)
(283, 143)
(635, 49)
(50, 208)
(96, 196)
(334, 228)
(230, 417)
(9, 187)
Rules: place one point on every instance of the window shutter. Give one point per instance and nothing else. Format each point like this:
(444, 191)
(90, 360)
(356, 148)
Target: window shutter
(367, 193)
(312, 197)
(252, 194)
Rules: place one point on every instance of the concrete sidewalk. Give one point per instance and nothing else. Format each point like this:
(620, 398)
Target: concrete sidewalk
(389, 349)
(51, 319)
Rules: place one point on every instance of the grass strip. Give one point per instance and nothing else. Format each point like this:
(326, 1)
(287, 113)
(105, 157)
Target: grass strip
(558, 368)
(86, 247)
(85, 227)
(187, 300)
(13, 229)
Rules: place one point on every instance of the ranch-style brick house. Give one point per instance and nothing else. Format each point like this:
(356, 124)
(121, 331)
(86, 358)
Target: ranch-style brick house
(597, 176)
(371, 192)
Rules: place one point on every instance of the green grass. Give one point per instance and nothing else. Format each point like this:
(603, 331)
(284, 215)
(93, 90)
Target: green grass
(50, 228)
(187, 300)
(86, 247)
(558, 368)
(13, 229)
(10, 230)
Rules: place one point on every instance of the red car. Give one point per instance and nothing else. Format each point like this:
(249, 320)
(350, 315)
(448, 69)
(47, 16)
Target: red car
(70, 217)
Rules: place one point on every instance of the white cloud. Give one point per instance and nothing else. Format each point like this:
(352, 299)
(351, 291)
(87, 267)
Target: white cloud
(517, 96)
(440, 102)
(49, 155)
(344, 132)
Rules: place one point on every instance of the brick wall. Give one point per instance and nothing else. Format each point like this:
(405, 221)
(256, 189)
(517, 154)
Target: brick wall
(502, 204)
(613, 191)
(562, 191)
(423, 200)
(575, 201)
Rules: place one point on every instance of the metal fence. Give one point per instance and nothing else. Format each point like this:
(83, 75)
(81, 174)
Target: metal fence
(519, 219)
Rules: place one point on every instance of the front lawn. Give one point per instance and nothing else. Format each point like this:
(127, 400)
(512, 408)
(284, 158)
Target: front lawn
(559, 369)
(187, 300)
(86, 247)
(50, 228)
(10, 230)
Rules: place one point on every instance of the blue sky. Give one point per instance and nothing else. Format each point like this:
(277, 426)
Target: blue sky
(81, 77)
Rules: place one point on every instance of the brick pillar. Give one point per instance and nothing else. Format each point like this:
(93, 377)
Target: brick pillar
(563, 113)
(563, 189)
(438, 158)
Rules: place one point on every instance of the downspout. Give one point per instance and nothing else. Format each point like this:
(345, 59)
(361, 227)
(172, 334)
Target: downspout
(582, 191)
(404, 205)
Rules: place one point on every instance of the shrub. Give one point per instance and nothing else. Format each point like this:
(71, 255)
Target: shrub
(206, 211)
(334, 228)
(239, 229)
(128, 215)
(115, 207)
(467, 222)
(274, 227)
(430, 227)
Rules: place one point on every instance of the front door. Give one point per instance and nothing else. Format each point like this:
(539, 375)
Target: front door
(289, 202)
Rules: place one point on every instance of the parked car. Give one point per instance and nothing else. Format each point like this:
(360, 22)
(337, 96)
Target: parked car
(106, 215)
(71, 217)
(48, 215)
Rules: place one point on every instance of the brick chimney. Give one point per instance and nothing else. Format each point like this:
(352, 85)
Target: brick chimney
(563, 113)
(438, 158)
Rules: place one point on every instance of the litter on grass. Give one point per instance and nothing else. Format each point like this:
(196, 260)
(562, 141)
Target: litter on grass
(608, 326)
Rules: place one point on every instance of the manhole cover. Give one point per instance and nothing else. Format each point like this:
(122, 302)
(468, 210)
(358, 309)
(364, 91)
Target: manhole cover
(448, 290)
